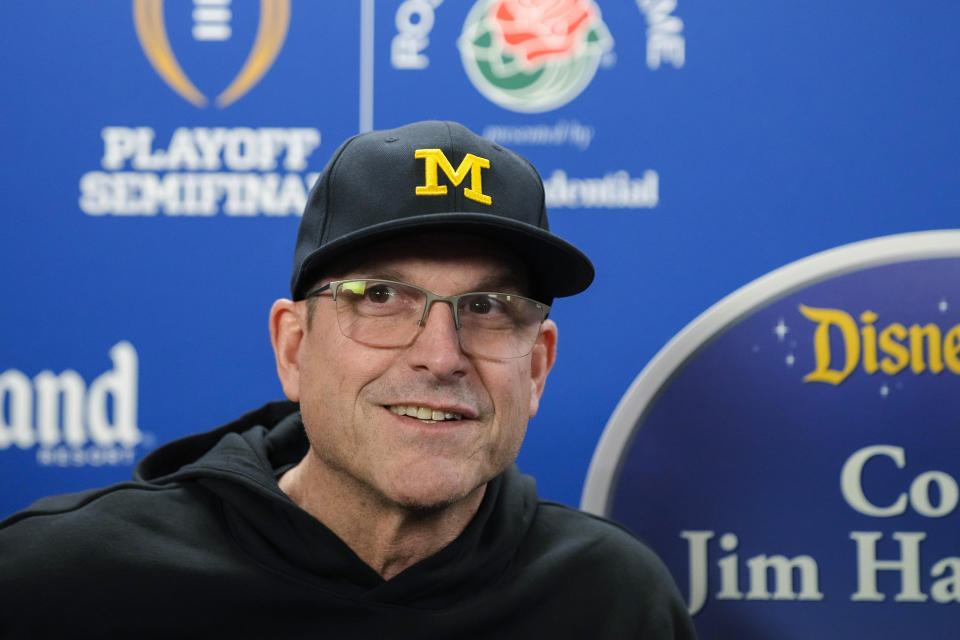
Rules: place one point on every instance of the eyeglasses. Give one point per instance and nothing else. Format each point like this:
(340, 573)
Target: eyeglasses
(385, 313)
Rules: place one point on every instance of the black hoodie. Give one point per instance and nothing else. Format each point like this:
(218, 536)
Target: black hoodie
(203, 543)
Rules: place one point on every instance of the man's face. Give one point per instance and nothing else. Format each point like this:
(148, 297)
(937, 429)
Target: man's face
(351, 394)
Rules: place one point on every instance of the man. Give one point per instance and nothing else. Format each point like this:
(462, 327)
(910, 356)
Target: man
(382, 501)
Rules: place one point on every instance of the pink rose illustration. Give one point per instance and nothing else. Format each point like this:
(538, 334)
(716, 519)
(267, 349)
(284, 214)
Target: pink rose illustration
(540, 30)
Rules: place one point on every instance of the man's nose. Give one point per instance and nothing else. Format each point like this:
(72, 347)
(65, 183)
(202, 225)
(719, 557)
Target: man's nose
(437, 345)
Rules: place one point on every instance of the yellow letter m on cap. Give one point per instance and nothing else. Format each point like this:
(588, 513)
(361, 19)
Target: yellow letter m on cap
(471, 164)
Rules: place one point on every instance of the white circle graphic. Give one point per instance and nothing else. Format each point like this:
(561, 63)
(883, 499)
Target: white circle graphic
(777, 284)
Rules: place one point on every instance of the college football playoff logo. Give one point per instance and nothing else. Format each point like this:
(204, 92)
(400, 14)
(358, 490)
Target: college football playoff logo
(148, 17)
(533, 55)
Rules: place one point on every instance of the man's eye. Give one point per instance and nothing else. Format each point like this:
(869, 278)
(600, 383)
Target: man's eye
(484, 305)
(478, 305)
(380, 293)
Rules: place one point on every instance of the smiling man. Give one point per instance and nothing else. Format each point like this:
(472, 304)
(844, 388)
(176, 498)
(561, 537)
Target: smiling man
(426, 413)
(381, 500)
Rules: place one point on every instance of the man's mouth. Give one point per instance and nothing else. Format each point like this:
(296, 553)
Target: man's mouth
(424, 414)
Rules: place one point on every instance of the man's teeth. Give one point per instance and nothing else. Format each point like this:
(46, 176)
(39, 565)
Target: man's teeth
(424, 413)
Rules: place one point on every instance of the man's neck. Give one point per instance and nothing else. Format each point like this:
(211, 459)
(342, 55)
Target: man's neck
(386, 536)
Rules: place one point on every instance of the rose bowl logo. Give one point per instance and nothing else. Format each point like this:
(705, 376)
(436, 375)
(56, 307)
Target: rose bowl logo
(532, 56)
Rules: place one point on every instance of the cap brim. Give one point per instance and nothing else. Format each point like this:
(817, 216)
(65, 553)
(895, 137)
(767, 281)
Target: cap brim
(559, 268)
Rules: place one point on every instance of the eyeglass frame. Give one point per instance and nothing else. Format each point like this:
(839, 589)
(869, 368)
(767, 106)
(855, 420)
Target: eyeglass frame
(432, 297)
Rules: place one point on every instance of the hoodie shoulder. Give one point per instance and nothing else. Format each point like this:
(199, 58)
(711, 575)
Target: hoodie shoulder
(160, 502)
(57, 539)
(606, 541)
(607, 569)
(67, 502)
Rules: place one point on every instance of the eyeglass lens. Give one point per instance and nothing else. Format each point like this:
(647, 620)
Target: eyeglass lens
(389, 314)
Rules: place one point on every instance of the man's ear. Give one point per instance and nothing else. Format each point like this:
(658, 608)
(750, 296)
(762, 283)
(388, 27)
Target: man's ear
(287, 330)
(541, 361)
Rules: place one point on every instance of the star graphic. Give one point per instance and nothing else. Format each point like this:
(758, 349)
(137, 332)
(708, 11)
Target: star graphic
(781, 330)
(790, 359)
(884, 390)
(943, 306)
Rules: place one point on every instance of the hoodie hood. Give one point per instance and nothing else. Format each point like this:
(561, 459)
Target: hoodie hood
(183, 456)
(240, 462)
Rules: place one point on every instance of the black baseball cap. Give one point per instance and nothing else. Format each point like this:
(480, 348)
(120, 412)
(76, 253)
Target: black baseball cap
(433, 176)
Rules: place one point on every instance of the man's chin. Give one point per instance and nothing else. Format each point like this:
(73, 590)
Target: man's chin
(432, 500)
(425, 508)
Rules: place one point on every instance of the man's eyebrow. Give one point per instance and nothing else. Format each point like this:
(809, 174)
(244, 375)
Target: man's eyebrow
(377, 274)
(503, 282)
